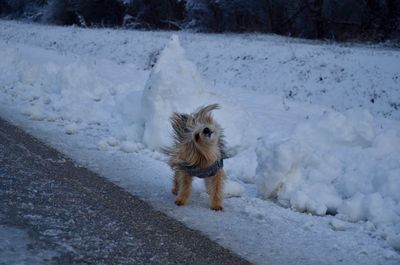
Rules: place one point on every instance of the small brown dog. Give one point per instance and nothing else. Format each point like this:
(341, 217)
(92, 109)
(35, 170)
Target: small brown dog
(198, 150)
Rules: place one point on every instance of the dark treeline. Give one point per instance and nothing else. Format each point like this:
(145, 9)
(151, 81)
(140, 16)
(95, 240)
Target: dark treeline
(321, 19)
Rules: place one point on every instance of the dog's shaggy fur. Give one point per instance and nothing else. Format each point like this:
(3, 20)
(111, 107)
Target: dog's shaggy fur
(198, 142)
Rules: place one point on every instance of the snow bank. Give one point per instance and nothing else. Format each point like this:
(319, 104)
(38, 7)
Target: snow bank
(335, 164)
(174, 85)
(79, 93)
(72, 90)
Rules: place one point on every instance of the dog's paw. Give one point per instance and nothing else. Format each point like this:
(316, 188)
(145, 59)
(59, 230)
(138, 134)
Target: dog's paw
(174, 191)
(217, 208)
(179, 202)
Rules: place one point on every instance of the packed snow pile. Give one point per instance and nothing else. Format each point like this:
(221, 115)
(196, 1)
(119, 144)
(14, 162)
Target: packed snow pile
(52, 88)
(174, 85)
(81, 94)
(336, 164)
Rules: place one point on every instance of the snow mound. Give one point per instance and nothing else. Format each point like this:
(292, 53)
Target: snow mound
(233, 189)
(84, 94)
(71, 128)
(130, 147)
(333, 164)
(242, 166)
(79, 93)
(174, 85)
(338, 225)
(34, 113)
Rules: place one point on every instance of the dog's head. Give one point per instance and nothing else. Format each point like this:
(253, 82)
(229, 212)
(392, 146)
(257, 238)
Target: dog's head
(206, 132)
(197, 137)
(198, 127)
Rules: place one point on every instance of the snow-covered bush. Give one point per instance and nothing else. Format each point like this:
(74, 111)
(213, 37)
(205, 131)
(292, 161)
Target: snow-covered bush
(164, 14)
(228, 15)
(85, 13)
(30, 9)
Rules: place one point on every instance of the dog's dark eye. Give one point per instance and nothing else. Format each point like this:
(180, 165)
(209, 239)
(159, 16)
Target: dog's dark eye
(197, 136)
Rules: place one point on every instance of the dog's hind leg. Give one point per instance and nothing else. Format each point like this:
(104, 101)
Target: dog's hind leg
(215, 187)
(185, 189)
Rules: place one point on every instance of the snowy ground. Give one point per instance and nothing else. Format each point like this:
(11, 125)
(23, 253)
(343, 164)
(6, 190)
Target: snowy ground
(313, 130)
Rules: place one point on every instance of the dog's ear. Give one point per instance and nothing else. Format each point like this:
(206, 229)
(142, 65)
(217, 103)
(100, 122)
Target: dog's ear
(203, 114)
(179, 123)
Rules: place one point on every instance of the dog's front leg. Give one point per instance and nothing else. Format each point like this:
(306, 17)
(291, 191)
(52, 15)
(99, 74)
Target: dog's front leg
(215, 187)
(185, 188)
(175, 184)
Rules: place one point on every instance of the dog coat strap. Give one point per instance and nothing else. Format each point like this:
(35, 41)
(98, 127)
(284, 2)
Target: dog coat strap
(203, 172)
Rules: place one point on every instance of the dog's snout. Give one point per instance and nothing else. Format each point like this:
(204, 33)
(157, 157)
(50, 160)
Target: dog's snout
(207, 131)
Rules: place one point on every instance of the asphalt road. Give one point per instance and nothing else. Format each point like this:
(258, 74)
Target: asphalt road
(53, 211)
